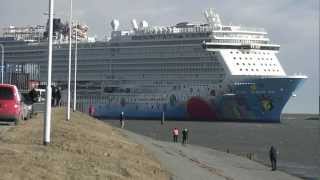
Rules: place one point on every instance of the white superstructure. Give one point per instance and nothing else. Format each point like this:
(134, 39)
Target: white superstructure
(156, 67)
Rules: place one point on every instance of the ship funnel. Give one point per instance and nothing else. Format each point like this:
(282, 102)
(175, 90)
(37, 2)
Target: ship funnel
(115, 24)
(212, 18)
(134, 24)
(144, 24)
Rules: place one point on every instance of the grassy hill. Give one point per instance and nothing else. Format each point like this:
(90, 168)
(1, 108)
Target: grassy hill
(83, 148)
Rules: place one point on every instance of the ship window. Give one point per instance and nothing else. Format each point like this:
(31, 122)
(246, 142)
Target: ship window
(237, 52)
(240, 58)
(252, 69)
(251, 58)
(249, 64)
(231, 52)
(237, 63)
(248, 52)
(234, 57)
(254, 64)
(247, 70)
(240, 69)
(257, 69)
(258, 58)
(243, 64)
(246, 58)
(262, 58)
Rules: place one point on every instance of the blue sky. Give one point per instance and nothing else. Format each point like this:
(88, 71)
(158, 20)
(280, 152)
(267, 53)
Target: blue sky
(294, 24)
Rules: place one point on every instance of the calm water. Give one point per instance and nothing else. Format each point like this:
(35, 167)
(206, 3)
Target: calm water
(296, 140)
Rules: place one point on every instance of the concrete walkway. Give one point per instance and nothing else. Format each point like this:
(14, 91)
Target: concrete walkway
(199, 163)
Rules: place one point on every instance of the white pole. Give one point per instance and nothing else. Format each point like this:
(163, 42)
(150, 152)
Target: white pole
(2, 62)
(75, 71)
(47, 120)
(69, 66)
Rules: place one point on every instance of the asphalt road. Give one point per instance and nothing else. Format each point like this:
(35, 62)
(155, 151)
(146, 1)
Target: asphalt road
(296, 140)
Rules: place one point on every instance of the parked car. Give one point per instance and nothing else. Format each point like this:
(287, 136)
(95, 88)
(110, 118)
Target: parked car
(11, 104)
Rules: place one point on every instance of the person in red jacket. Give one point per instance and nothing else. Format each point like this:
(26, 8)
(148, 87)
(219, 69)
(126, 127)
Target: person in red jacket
(175, 133)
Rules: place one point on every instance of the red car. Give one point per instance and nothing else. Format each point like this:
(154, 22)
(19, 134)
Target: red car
(11, 105)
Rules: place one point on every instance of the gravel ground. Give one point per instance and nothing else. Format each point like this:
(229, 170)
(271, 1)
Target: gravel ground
(297, 140)
(194, 162)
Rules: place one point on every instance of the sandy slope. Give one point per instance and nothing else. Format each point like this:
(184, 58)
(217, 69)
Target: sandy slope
(82, 148)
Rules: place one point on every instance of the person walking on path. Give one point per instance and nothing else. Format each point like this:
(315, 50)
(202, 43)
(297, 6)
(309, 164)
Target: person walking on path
(122, 119)
(162, 118)
(175, 133)
(273, 158)
(185, 132)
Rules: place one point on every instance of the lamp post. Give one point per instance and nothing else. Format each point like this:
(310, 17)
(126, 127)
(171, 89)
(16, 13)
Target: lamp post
(47, 120)
(2, 62)
(69, 65)
(75, 71)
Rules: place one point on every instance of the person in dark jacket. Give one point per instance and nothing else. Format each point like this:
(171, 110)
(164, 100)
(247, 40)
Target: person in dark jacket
(53, 96)
(33, 94)
(273, 158)
(122, 119)
(58, 97)
(185, 132)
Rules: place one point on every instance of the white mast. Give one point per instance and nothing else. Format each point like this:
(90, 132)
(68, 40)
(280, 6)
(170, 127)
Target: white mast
(75, 71)
(69, 65)
(47, 117)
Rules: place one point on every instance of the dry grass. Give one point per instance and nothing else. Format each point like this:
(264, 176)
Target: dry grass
(82, 148)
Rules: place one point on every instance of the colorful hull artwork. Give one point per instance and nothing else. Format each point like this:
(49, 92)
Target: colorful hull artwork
(255, 100)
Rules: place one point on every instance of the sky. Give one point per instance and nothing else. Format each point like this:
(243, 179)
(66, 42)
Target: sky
(293, 24)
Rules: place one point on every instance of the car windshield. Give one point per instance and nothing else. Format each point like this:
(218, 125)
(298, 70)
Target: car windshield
(6, 93)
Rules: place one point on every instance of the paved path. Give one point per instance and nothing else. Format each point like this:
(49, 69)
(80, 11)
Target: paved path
(195, 162)
(297, 140)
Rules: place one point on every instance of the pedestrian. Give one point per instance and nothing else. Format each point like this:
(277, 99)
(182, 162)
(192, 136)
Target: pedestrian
(33, 95)
(122, 119)
(185, 132)
(162, 118)
(53, 96)
(91, 110)
(175, 133)
(58, 97)
(273, 158)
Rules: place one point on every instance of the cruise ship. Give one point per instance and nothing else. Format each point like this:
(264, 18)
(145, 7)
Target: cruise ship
(207, 71)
